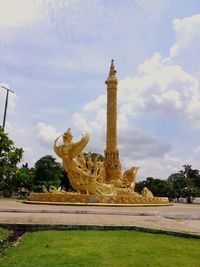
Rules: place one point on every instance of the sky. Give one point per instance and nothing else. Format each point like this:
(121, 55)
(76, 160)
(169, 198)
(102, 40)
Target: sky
(55, 55)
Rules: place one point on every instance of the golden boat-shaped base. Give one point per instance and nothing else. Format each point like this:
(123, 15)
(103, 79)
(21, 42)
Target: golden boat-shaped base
(84, 198)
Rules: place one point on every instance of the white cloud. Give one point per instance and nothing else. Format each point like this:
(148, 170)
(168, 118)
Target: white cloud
(160, 167)
(28, 155)
(161, 86)
(187, 31)
(81, 122)
(170, 98)
(16, 13)
(150, 65)
(49, 111)
(194, 109)
(46, 134)
(96, 104)
(151, 7)
(197, 151)
(94, 126)
(137, 144)
(67, 44)
(76, 61)
(134, 143)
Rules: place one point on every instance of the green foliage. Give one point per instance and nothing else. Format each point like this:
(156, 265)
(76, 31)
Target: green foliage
(185, 183)
(4, 242)
(10, 156)
(4, 233)
(178, 182)
(24, 178)
(48, 173)
(190, 193)
(94, 156)
(65, 183)
(159, 188)
(192, 175)
(102, 248)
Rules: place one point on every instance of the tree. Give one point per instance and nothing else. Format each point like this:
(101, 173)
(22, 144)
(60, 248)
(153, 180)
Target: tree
(190, 193)
(191, 174)
(159, 187)
(10, 156)
(48, 173)
(24, 178)
(65, 183)
(186, 183)
(94, 156)
(178, 182)
(139, 186)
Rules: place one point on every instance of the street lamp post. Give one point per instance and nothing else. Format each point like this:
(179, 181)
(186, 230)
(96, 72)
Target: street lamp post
(6, 104)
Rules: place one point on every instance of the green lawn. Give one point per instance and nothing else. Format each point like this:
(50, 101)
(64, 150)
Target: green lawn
(10, 198)
(102, 248)
(4, 233)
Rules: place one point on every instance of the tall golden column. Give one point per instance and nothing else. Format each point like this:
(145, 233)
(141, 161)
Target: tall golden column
(112, 162)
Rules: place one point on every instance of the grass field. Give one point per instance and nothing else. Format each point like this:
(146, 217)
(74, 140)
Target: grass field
(4, 233)
(10, 198)
(102, 248)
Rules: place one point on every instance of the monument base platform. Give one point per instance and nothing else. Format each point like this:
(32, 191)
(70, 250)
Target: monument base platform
(73, 198)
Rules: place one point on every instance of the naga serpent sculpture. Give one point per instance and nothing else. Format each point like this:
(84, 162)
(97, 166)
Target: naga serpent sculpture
(88, 177)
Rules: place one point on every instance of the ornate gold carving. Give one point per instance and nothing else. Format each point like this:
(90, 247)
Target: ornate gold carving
(68, 197)
(94, 179)
(112, 162)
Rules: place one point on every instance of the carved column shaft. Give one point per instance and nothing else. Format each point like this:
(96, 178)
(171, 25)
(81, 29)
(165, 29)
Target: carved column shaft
(112, 162)
(111, 136)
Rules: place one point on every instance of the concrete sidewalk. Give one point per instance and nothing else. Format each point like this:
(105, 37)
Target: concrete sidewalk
(178, 217)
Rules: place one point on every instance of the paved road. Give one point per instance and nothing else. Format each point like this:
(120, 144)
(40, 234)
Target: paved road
(178, 217)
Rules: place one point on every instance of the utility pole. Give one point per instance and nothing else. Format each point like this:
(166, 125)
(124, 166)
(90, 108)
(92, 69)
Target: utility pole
(6, 104)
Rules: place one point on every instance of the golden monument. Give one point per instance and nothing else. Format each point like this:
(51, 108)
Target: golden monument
(94, 180)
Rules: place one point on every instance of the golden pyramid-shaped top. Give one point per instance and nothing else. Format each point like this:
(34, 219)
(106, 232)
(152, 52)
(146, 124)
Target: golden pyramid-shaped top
(112, 68)
(111, 77)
